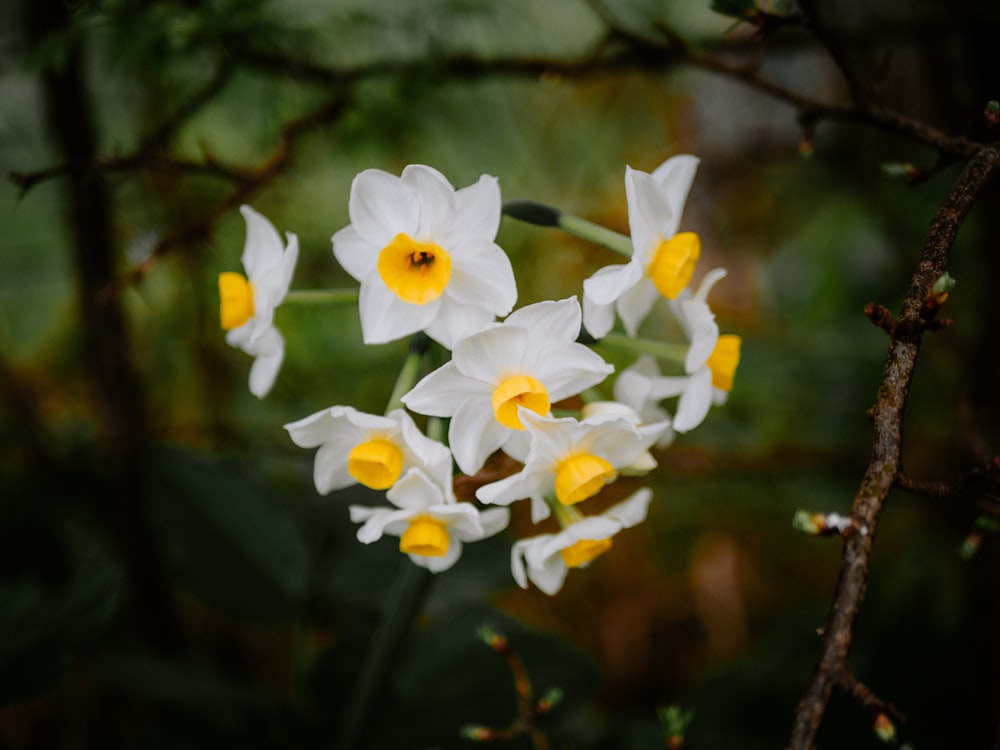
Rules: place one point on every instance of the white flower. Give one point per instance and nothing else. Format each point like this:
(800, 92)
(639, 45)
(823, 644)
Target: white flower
(710, 364)
(530, 360)
(368, 449)
(569, 459)
(653, 420)
(545, 560)
(248, 302)
(431, 528)
(425, 255)
(662, 260)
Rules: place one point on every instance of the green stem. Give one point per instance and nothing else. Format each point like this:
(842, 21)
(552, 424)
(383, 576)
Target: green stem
(546, 216)
(566, 515)
(408, 373)
(660, 349)
(588, 230)
(320, 296)
(408, 591)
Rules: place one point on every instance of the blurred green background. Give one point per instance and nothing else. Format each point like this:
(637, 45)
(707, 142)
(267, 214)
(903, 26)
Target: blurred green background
(168, 575)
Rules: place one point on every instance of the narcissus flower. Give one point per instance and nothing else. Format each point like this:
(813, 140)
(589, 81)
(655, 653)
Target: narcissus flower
(545, 560)
(569, 459)
(248, 302)
(430, 527)
(359, 448)
(710, 363)
(425, 255)
(662, 260)
(531, 360)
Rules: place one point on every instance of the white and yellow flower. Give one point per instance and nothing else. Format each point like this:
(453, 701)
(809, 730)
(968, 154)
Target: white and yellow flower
(425, 255)
(709, 366)
(662, 261)
(546, 559)
(531, 360)
(247, 303)
(571, 460)
(431, 528)
(368, 449)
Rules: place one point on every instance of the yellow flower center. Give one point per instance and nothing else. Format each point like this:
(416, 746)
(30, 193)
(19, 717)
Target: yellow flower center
(673, 263)
(582, 476)
(519, 390)
(376, 463)
(723, 361)
(235, 300)
(583, 551)
(416, 272)
(426, 537)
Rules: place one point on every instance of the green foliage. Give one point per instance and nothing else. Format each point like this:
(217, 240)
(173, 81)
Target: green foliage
(41, 626)
(225, 537)
(734, 8)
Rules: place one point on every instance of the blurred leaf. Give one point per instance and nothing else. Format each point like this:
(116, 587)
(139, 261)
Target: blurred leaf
(225, 539)
(734, 8)
(40, 626)
(191, 704)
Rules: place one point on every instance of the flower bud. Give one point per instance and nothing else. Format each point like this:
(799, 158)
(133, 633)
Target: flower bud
(992, 113)
(885, 730)
(477, 733)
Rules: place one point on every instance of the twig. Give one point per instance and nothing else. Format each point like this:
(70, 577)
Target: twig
(884, 466)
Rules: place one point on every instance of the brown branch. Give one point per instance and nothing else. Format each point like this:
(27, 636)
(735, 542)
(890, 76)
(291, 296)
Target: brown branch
(115, 384)
(250, 182)
(884, 465)
(816, 24)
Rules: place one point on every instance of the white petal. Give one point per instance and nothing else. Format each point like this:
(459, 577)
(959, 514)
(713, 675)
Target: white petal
(423, 451)
(477, 214)
(549, 320)
(356, 255)
(486, 356)
(675, 176)
(598, 319)
(704, 334)
(494, 520)
(313, 430)
(263, 246)
(610, 282)
(474, 434)
(381, 207)
(631, 511)
(415, 491)
(517, 561)
(264, 370)
(710, 280)
(648, 214)
(568, 369)
(635, 304)
(385, 317)
(455, 322)
(376, 521)
(437, 202)
(695, 402)
(439, 393)
(504, 491)
(481, 275)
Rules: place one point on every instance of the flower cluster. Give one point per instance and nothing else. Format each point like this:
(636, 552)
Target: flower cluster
(427, 262)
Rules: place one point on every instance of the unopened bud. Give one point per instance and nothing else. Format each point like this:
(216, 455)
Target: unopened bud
(493, 639)
(675, 742)
(477, 733)
(806, 145)
(885, 730)
(904, 170)
(992, 113)
(816, 524)
(970, 545)
(942, 287)
(549, 701)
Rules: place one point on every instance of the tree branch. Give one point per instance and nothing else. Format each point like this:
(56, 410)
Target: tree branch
(884, 465)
